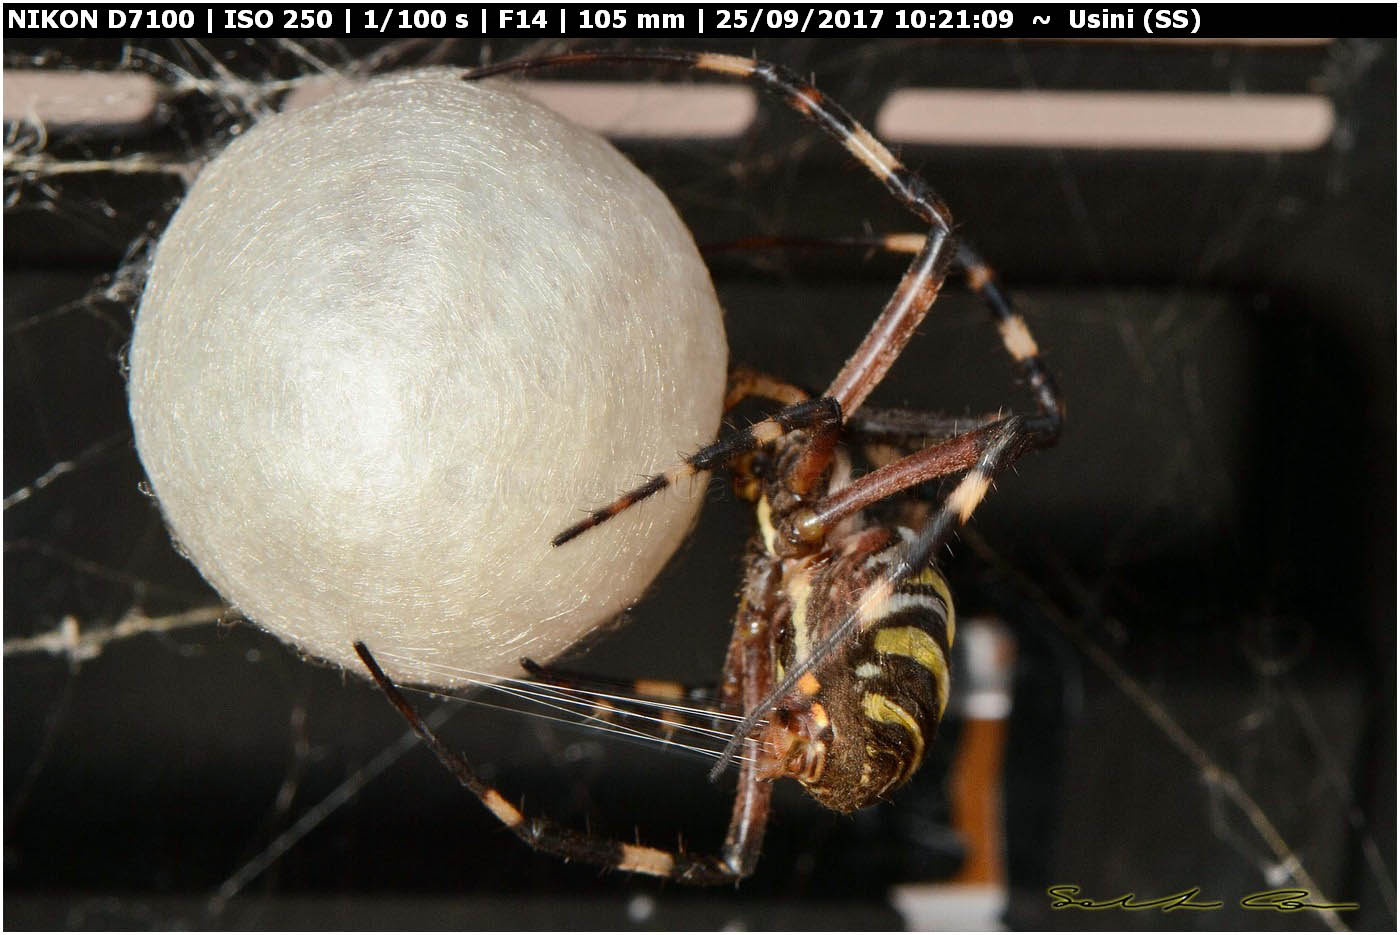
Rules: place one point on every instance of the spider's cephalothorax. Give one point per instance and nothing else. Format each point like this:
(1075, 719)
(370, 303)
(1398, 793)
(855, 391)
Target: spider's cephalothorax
(838, 666)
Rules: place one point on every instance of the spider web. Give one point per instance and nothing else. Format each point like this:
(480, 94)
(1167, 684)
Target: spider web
(1199, 578)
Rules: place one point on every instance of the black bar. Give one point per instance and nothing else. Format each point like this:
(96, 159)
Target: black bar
(703, 21)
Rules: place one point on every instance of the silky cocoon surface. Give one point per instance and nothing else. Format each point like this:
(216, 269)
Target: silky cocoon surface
(391, 344)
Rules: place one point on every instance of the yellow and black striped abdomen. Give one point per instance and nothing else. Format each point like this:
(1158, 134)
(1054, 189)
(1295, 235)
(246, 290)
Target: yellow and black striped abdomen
(886, 692)
(906, 650)
(900, 665)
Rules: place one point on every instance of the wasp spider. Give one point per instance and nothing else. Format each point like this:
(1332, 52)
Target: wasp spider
(839, 657)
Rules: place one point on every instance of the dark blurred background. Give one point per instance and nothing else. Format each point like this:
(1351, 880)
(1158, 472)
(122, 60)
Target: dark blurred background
(1199, 579)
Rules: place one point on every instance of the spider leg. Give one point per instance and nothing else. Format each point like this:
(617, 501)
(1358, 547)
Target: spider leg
(821, 415)
(811, 525)
(748, 678)
(981, 279)
(544, 835)
(886, 436)
(870, 243)
(655, 708)
(910, 429)
(1020, 345)
(746, 382)
(887, 337)
(1000, 445)
(658, 689)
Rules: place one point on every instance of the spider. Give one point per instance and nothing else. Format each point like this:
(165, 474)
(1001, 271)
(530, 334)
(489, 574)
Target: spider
(839, 654)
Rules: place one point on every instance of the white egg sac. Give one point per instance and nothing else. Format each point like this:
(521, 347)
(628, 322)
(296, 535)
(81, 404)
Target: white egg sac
(394, 342)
